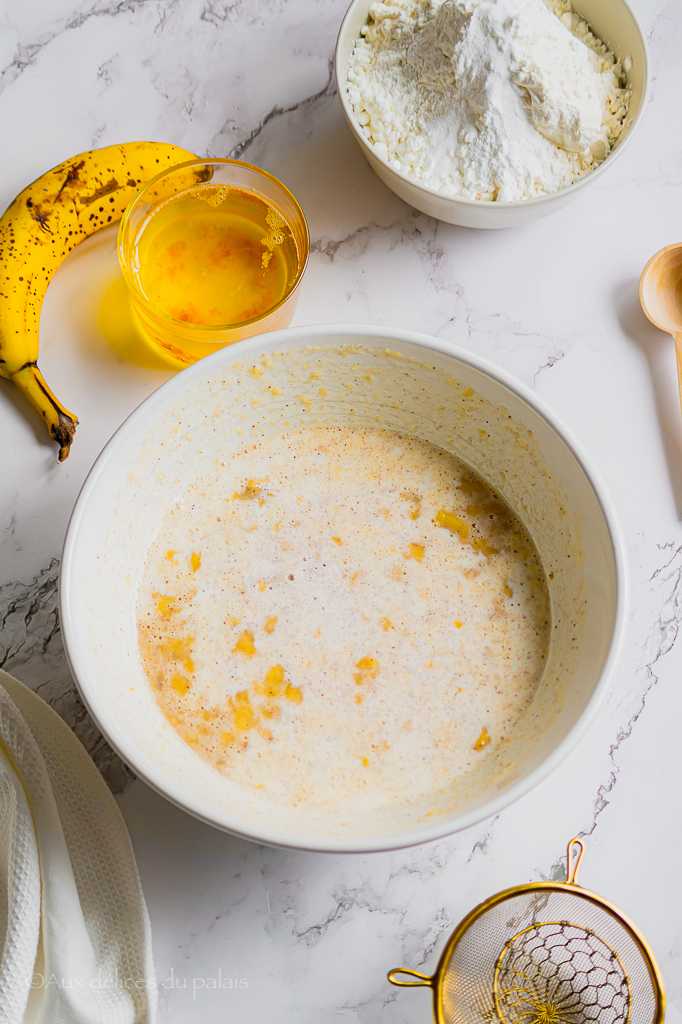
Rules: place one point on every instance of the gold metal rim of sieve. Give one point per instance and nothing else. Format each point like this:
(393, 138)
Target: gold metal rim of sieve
(435, 981)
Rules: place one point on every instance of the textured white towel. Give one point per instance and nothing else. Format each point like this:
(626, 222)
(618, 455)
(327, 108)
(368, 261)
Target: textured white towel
(75, 942)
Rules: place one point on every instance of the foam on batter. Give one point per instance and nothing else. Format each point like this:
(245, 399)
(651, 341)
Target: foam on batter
(343, 616)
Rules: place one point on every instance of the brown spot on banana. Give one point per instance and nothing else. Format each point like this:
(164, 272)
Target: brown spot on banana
(72, 176)
(38, 215)
(105, 190)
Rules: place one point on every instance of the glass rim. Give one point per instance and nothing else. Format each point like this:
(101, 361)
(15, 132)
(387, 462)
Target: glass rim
(304, 255)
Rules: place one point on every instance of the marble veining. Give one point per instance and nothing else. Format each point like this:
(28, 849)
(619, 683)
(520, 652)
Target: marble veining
(246, 933)
(31, 648)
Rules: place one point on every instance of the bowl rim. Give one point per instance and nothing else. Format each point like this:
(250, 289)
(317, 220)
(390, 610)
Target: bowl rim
(134, 425)
(485, 204)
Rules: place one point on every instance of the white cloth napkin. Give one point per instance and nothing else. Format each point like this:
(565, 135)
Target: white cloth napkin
(75, 941)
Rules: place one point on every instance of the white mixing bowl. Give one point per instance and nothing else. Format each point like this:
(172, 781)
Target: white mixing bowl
(413, 384)
(611, 20)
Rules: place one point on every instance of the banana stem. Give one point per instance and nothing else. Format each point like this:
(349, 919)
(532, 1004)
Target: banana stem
(60, 422)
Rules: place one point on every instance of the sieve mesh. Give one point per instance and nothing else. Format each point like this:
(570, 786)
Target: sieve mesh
(547, 956)
(565, 968)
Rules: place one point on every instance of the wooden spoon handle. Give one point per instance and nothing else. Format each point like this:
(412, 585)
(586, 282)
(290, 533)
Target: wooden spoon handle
(678, 352)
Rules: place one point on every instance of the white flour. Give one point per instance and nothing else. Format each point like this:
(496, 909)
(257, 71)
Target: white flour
(488, 99)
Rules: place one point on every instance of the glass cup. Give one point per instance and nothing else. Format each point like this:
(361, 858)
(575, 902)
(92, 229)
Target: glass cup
(213, 179)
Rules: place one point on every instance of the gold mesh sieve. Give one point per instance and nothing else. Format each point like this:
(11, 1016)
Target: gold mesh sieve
(545, 953)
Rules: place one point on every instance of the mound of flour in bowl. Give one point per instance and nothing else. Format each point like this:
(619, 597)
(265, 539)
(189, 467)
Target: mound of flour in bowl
(487, 99)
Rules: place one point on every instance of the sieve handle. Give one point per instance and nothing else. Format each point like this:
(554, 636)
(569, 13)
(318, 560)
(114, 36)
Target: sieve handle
(422, 979)
(574, 860)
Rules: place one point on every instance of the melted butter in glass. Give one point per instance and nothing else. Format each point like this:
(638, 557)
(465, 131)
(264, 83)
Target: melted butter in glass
(215, 255)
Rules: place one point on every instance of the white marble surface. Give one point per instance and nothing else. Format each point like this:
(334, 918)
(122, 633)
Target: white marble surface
(554, 303)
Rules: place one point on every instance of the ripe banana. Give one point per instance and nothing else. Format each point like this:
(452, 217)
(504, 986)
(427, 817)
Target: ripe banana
(39, 229)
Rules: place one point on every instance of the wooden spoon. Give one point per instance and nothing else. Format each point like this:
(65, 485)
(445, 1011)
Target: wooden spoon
(660, 293)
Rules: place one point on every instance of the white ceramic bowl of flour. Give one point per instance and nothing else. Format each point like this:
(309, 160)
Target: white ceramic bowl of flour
(406, 382)
(612, 21)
